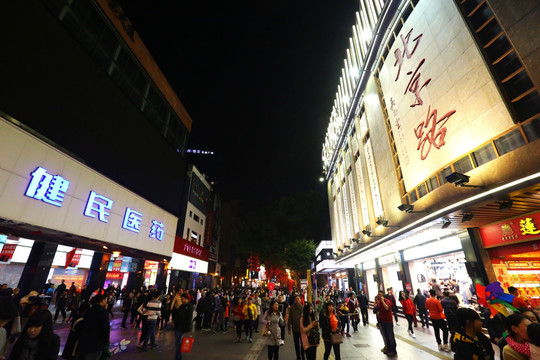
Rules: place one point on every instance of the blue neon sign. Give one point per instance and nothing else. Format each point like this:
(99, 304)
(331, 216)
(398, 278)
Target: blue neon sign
(52, 188)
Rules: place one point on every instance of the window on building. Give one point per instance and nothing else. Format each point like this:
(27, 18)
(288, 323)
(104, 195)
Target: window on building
(196, 217)
(190, 214)
(509, 142)
(532, 129)
(463, 165)
(484, 154)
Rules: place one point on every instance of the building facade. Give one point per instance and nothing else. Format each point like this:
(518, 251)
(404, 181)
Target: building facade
(93, 141)
(430, 153)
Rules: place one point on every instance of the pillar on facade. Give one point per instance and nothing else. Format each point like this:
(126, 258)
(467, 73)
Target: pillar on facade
(37, 267)
(135, 279)
(476, 257)
(161, 277)
(98, 270)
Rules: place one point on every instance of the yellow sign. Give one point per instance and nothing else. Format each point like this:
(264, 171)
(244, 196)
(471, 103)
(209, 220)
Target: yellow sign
(528, 227)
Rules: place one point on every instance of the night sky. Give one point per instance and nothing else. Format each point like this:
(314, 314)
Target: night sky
(258, 79)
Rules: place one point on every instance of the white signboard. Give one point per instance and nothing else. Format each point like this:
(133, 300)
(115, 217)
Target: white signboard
(186, 263)
(441, 99)
(373, 181)
(41, 186)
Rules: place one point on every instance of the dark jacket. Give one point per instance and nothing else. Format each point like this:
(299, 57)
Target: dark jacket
(47, 349)
(363, 301)
(466, 348)
(324, 323)
(420, 302)
(183, 318)
(95, 330)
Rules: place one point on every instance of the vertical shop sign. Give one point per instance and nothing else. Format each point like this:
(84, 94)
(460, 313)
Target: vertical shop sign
(373, 181)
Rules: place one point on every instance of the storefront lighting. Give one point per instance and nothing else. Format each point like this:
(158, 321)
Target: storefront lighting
(347, 246)
(467, 217)
(461, 180)
(384, 223)
(409, 209)
(505, 205)
(115, 254)
(105, 247)
(446, 223)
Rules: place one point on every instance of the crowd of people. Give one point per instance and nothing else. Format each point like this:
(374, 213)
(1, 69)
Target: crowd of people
(26, 324)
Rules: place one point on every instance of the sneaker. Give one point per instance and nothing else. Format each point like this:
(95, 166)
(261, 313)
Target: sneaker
(281, 342)
(383, 350)
(393, 354)
(250, 340)
(414, 336)
(348, 335)
(440, 347)
(446, 347)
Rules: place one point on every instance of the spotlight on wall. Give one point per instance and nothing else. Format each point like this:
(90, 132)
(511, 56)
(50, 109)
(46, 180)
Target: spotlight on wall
(366, 232)
(446, 223)
(347, 246)
(356, 240)
(467, 217)
(335, 254)
(460, 179)
(505, 205)
(409, 209)
(384, 223)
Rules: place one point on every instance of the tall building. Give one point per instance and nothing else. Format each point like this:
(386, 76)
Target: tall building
(92, 142)
(431, 150)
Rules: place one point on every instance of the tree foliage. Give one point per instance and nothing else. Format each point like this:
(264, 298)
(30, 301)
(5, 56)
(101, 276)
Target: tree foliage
(278, 231)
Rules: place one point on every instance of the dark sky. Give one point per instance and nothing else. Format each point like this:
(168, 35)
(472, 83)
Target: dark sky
(258, 79)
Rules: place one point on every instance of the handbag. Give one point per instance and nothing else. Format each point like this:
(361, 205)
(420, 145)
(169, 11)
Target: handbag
(336, 338)
(187, 344)
(314, 336)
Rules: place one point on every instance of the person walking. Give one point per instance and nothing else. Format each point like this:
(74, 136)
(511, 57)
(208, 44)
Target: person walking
(295, 313)
(183, 320)
(95, 331)
(468, 341)
(384, 315)
(250, 314)
(420, 303)
(111, 300)
(61, 302)
(126, 308)
(409, 310)
(436, 315)
(274, 322)
(284, 309)
(450, 307)
(165, 312)
(329, 323)
(257, 302)
(343, 311)
(354, 310)
(309, 332)
(363, 303)
(153, 312)
(238, 318)
(390, 296)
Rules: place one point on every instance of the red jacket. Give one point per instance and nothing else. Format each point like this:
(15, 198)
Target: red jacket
(408, 306)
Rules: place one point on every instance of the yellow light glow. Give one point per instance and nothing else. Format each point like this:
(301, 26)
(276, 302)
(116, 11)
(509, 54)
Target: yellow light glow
(116, 254)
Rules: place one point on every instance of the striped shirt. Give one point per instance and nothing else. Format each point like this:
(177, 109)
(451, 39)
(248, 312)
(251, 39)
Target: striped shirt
(153, 309)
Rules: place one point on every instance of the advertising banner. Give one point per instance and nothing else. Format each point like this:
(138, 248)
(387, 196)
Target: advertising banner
(515, 230)
(7, 252)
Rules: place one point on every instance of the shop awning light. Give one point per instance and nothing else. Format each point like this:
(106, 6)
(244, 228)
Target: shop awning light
(115, 254)
(409, 209)
(446, 223)
(461, 180)
(505, 205)
(366, 232)
(467, 217)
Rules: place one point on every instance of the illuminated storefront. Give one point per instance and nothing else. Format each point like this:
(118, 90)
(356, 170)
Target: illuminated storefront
(512, 246)
(48, 198)
(189, 265)
(417, 137)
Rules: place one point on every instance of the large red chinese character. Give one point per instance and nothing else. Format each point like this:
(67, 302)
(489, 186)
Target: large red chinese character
(435, 135)
(398, 53)
(412, 86)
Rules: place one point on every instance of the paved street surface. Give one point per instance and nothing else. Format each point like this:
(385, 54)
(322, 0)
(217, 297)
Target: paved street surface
(365, 344)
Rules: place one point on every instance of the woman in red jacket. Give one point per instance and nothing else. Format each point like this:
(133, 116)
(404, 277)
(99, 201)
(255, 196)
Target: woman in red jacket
(238, 318)
(408, 309)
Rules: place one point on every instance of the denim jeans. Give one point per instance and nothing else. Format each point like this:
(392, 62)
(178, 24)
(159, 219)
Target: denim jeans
(178, 335)
(151, 334)
(248, 324)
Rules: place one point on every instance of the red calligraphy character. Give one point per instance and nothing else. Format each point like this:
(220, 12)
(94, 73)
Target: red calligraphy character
(435, 135)
(398, 53)
(412, 86)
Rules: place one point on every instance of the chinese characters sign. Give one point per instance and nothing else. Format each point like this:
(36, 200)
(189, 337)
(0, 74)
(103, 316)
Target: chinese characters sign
(52, 188)
(7, 252)
(511, 231)
(441, 100)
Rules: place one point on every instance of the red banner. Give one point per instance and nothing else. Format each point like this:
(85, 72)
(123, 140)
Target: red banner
(72, 259)
(7, 252)
(184, 247)
(115, 276)
(519, 229)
